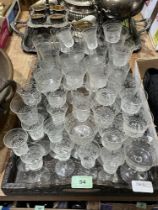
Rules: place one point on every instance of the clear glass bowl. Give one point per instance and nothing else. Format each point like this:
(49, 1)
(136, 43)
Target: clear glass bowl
(139, 155)
(128, 174)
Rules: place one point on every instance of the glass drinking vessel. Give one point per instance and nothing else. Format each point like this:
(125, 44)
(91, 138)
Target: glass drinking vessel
(57, 99)
(106, 96)
(81, 133)
(88, 162)
(139, 155)
(97, 72)
(46, 50)
(112, 31)
(131, 103)
(36, 131)
(89, 150)
(90, 37)
(54, 133)
(121, 55)
(111, 160)
(63, 149)
(113, 139)
(57, 114)
(104, 116)
(26, 114)
(88, 154)
(48, 81)
(29, 93)
(97, 80)
(135, 125)
(95, 60)
(64, 49)
(65, 37)
(34, 157)
(62, 157)
(128, 174)
(65, 168)
(45, 144)
(74, 56)
(80, 96)
(16, 139)
(117, 76)
(81, 100)
(82, 113)
(40, 177)
(74, 80)
(118, 122)
(74, 74)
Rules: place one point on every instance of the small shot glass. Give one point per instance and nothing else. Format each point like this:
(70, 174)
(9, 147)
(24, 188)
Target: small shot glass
(120, 55)
(112, 31)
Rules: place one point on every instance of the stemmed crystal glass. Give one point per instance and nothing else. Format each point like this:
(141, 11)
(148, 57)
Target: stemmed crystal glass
(113, 139)
(139, 155)
(34, 157)
(62, 150)
(104, 116)
(131, 103)
(128, 174)
(54, 133)
(88, 154)
(111, 160)
(26, 114)
(81, 133)
(135, 125)
(29, 93)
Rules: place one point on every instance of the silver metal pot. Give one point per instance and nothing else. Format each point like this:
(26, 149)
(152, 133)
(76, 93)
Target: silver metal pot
(80, 9)
(121, 9)
(83, 3)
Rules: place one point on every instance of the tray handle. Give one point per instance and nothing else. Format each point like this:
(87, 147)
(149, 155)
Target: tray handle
(6, 84)
(15, 29)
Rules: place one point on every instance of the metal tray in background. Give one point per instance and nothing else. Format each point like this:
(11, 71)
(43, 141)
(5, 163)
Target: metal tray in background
(29, 35)
(31, 32)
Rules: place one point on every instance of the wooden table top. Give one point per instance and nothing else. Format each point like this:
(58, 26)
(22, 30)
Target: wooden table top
(22, 65)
